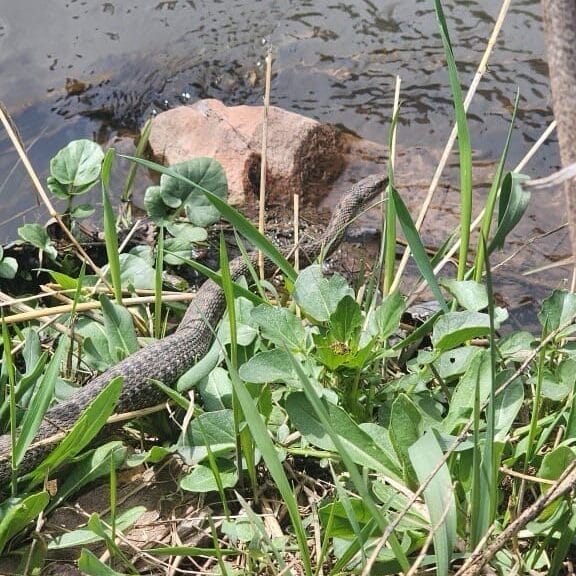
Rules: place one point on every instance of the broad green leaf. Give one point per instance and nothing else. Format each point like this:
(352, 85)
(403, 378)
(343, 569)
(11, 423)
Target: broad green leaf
(319, 296)
(85, 536)
(215, 429)
(186, 231)
(553, 387)
(557, 310)
(281, 326)
(82, 211)
(17, 513)
(240, 529)
(507, 406)
(216, 391)
(136, 271)
(202, 479)
(553, 465)
(63, 280)
(89, 423)
(462, 401)
(455, 362)
(388, 314)
(360, 446)
(175, 194)
(513, 203)
(246, 332)
(469, 294)
(158, 211)
(90, 565)
(269, 366)
(119, 328)
(455, 328)
(334, 353)
(37, 235)
(405, 430)
(175, 249)
(345, 320)
(516, 346)
(438, 495)
(8, 267)
(78, 164)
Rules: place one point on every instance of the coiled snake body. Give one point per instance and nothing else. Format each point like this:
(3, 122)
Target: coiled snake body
(167, 359)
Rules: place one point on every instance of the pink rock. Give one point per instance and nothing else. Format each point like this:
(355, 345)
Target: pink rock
(303, 156)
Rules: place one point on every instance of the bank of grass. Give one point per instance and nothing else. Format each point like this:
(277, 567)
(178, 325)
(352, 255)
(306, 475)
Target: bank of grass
(323, 443)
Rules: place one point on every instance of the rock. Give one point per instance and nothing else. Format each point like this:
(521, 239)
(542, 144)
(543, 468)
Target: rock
(303, 156)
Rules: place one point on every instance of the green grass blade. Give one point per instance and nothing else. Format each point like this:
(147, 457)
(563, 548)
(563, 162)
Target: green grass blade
(244, 443)
(9, 363)
(266, 446)
(139, 152)
(463, 144)
(110, 233)
(492, 196)
(389, 236)
(87, 426)
(416, 246)
(239, 222)
(42, 398)
(158, 283)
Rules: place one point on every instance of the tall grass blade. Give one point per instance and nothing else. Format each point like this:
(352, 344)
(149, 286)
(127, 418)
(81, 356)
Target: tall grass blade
(492, 196)
(42, 398)
(416, 246)
(244, 443)
(389, 237)
(139, 153)
(110, 233)
(9, 364)
(465, 150)
(265, 445)
(158, 278)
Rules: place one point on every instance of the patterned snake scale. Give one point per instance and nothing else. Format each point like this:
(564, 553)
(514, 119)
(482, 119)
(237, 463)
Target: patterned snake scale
(167, 359)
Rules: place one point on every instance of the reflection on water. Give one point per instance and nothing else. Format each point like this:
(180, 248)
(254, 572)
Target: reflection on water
(334, 61)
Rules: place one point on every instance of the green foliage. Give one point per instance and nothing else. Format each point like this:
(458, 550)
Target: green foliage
(8, 265)
(37, 235)
(180, 192)
(74, 171)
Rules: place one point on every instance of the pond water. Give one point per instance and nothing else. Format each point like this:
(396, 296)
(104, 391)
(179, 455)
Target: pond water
(90, 69)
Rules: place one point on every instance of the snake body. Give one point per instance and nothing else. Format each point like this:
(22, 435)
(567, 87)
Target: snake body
(167, 359)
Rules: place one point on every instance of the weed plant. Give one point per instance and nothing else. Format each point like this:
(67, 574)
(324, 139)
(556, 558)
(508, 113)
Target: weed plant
(437, 448)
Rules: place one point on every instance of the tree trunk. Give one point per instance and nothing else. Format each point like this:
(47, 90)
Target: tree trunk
(560, 30)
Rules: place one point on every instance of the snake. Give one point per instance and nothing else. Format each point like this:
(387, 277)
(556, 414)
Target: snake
(166, 359)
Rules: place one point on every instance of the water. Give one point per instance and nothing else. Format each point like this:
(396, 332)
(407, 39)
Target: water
(334, 61)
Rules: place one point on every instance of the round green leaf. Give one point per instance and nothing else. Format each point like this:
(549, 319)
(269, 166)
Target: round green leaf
(186, 192)
(78, 163)
(8, 268)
